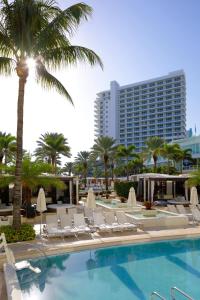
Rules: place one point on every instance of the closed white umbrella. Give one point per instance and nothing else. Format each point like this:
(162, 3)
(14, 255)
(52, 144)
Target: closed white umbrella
(194, 196)
(41, 204)
(131, 197)
(91, 203)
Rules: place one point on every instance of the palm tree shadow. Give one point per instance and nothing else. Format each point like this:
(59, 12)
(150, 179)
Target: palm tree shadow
(182, 264)
(128, 281)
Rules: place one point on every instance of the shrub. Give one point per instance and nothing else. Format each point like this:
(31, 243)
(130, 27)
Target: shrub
(122, 188)
(25, 233)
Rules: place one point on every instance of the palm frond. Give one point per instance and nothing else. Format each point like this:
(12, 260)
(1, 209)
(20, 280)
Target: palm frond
(7, 65)
(48, 81)
(70, 55)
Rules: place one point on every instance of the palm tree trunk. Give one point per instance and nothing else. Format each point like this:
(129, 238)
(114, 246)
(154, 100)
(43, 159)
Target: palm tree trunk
(127, 172)
(106, 175)
(19, 153)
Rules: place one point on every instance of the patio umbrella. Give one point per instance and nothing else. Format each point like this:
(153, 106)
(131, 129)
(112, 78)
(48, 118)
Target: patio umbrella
(131, 197)
(41, 204)
(91, 203)
(194, 196)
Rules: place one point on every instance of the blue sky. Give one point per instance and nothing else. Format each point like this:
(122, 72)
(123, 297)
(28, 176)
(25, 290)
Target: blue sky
(137, 40)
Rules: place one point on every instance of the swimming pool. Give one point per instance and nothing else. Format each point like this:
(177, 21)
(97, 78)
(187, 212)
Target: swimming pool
(116, 273)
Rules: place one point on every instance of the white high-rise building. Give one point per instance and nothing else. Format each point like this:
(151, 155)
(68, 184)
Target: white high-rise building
(133, 113)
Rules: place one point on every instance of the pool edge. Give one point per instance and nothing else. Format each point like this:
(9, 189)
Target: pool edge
(12, 283)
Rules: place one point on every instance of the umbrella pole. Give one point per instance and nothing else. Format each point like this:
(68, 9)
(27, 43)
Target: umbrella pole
(40, 223)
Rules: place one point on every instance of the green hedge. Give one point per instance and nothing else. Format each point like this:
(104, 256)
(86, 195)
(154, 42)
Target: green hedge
(25, 233)
(122, 188)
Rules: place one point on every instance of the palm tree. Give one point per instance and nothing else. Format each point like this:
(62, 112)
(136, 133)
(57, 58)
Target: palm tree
(169, 151)
(68, 167)
(39, 30)
(154, 146)
(82, 159)
(180, 155)
(7, 146)
(126, 153)
(51, 146)
(32, 177)
(103, 148)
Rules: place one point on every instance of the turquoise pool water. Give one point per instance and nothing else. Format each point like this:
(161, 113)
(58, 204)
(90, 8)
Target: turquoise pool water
(117, 273)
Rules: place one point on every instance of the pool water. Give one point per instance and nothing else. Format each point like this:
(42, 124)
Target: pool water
(117, 273)
(160, 213)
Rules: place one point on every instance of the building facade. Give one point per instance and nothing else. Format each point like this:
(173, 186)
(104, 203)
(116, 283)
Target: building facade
(133, 113)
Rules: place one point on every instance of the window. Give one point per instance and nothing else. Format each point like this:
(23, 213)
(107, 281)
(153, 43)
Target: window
(168, 80)
(160, 88)
(152, 84)
(160, 94)
(168, 86)
(151, 95)
(177, 84)
(144, 86)
(177, 78)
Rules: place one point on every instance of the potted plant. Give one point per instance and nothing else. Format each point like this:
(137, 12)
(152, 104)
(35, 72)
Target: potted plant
(149, 211)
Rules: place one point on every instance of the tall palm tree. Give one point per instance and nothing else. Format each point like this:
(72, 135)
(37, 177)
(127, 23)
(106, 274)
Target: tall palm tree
(82, 159)
(50, 146)
(103, 148)
(42, 31)
(7, 146)
(154, 146)
(169, 151)
(126, 153)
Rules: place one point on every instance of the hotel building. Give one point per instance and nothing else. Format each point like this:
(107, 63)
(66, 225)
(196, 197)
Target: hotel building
(133, 113)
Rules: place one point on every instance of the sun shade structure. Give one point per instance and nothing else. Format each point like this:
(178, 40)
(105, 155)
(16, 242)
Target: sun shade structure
(91, 203)
(194, 196)
(131, 197)
(41, 204)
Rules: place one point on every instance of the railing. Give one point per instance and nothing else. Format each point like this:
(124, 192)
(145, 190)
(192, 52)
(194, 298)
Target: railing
(155, 294)
(175, 289)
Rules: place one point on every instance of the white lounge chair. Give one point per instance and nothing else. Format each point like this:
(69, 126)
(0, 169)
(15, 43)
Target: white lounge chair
(99, 222)
(112, 222)
(61, 211)
(52, 227)
(172, 208)
(88, 213)
(66, 225)
(122, 219)
(80, 225)
(195, 214)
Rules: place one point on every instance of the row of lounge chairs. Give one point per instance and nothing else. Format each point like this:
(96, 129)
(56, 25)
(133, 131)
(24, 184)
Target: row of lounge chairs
(193, 213)
(78, 223)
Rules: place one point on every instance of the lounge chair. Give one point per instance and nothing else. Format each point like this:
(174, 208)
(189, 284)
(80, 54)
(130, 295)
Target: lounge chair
(88, 214)
(172, 208)
(66, 225)
(195, 214)
(181, 209)
(60, 212)
(52, 227)
(80, 225)
(122, 219)
(112, 222)
(99, 222)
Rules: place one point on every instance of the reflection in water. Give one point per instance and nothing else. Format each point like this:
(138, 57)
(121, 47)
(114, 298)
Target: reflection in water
(50, 268)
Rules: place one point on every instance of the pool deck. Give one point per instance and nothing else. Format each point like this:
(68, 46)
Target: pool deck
(51, 246)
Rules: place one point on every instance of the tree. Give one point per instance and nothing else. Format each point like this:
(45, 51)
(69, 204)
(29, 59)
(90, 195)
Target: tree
(181, 154)
(82, 159)
(126, 153)
(103, 148)
(32, 176)
(154, 146)
(51, 146)
(38, 30)
(7, 146)
(68, 167)
(169, 151)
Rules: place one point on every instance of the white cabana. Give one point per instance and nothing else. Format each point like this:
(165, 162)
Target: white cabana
(194, 196)
(131, 197)
(91, 203)
(41, 205)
